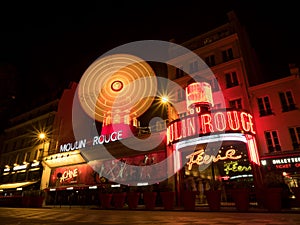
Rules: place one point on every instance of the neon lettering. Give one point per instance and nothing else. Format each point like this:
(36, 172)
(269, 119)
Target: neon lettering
(202, 124)
(199, 157)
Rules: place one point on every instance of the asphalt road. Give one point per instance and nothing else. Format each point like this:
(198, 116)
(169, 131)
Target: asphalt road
(86, 216)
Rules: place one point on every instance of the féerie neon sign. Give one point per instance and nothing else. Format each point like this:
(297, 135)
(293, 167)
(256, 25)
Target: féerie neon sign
(206, 123)
(200, 157)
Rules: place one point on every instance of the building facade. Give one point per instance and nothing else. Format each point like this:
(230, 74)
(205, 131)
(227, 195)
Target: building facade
(276, 112)
(25, 142)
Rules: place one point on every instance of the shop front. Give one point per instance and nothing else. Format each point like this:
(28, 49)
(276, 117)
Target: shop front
(76, 179)
(19, 181)
(215, 150)
(284, 170)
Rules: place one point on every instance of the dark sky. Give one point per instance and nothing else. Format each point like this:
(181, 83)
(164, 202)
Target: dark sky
(52, 44)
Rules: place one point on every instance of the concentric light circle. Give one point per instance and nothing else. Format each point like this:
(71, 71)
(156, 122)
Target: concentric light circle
(105, 86)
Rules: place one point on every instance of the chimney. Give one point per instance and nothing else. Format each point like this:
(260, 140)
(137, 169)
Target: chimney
(294, 70)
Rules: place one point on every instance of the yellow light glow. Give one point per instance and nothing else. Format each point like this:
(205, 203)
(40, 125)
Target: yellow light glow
(164, 99)
(42, 135)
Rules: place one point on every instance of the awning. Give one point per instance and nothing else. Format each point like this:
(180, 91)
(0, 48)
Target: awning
(63, 159)
(16, 185)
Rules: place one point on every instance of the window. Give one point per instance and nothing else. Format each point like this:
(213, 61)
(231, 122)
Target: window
(231, 79)
(210, 60)
(194, 67)
(214, 85)
(179, 72)
(295, 136)
(21, 158)
(27, 157)
(36, 154)
(272, 141)
(264, 106)
(182, 115)
(227, 54)
(287, 101)
(236, 104)
(180, 95)
(217, 106)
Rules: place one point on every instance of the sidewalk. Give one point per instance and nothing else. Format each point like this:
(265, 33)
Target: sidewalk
(202, 208)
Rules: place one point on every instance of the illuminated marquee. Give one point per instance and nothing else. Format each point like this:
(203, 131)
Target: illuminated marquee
(200, 157)
(202, 124)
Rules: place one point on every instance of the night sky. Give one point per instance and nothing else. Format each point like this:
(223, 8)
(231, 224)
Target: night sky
(52, 44)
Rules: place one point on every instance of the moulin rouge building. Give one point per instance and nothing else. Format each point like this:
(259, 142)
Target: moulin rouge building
(209, 132)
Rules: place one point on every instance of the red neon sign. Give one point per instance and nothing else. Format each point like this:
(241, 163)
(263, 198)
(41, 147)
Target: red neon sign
(202, 124)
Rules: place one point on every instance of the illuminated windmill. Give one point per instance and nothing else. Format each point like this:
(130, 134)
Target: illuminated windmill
(116, 90)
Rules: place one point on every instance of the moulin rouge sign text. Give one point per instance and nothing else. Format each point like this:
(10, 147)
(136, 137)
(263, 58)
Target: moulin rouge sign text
(97, 140)
(201, 124)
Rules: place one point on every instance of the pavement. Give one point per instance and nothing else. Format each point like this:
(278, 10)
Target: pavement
(86, 215)
(199, 208)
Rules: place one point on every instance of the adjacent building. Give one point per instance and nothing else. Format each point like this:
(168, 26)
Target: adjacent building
(275, 106)
(25, 142)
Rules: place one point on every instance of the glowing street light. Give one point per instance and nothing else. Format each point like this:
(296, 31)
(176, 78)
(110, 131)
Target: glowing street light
(42, 136)
(171, 111)
(164, 99)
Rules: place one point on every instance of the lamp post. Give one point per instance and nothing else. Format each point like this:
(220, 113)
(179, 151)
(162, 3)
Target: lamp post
(42, 137)
(171, 111)
(172, 115)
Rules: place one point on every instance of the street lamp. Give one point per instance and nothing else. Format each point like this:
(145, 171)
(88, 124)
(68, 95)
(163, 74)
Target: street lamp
(171, 111)
(42, 137)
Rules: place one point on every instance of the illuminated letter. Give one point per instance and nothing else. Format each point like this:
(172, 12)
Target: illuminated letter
(183, 128)
(120, 135)
(101, 139)
(245, 124)
(170, 134)
(191, 130)
(113, 136)
(82, 143)
(177, 133)
(62, 148)
(251, 124)
(233, 123)
(206, 122)
(96, 140)
(220, 121)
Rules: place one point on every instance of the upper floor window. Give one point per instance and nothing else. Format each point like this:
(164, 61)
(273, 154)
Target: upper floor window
(179, 72)
(217, 106)
(272, 141)
(214, 85)
(227, 55)
(231, 79)
(210, 60)
(264, 106)
(180, 95)
(194, 67)
(287, 101)
(236, 103)
(182, 115)
(295, 136)
(27, 157)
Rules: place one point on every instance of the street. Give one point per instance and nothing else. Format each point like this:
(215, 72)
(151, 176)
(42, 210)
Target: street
(87, 216)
